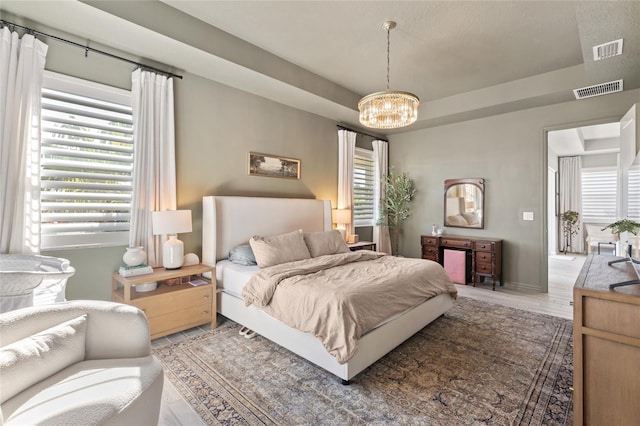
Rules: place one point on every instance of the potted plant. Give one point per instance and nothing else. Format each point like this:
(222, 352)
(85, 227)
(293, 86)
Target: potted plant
(570, 226)
(399, 191)
(630, 226)
(624, 225)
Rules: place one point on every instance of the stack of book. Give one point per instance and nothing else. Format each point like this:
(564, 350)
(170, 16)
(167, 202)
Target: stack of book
(132, 271)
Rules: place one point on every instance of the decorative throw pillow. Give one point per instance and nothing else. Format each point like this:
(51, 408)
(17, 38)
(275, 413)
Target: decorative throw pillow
(34, 358)
(242, 255)
(277, 249)
(322, 243)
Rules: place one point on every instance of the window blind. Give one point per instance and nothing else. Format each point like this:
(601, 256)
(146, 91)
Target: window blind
(363, 188)
(633, 208)
(599, 188)
(86, 167)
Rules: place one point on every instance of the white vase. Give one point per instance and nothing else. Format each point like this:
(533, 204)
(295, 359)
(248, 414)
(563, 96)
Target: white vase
(134, 256)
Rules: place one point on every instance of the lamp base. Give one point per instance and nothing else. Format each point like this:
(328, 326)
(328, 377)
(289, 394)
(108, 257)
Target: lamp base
(172, 253)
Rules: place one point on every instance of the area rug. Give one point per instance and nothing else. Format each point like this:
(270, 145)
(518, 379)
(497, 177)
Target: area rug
(480, 363)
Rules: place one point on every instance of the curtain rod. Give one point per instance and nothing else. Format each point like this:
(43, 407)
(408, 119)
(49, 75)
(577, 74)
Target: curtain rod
(362, 133)
(86, 48)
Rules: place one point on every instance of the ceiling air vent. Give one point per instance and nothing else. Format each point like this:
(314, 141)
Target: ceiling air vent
(607, 50)
(598, 89)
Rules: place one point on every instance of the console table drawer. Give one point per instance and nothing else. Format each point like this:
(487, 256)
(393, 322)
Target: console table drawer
(485, 245)
(429, 241)
(430, 251)
(485, 256)
(484, 268)
(456, 243)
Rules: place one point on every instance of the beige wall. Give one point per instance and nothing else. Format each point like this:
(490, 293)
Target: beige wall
(216, 127)
(508, 151)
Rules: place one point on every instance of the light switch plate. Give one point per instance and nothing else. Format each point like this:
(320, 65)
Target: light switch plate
(527, 215)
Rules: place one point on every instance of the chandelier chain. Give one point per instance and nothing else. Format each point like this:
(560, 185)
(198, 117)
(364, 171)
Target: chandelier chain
(388, 55)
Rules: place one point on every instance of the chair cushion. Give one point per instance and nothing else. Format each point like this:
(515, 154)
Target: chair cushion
(34, 358)
(89, 392)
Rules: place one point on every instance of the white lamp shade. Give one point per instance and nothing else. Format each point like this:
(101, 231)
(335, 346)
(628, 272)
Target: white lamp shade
(341, 216)
(169, 222)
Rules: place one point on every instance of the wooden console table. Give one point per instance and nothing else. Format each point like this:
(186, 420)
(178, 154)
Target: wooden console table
(606, 344)
(486, 254)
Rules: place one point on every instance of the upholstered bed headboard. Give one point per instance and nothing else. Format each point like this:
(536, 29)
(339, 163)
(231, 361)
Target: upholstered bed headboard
(230, 221)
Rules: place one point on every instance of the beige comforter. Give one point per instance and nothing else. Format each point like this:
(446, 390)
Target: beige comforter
(339, 297)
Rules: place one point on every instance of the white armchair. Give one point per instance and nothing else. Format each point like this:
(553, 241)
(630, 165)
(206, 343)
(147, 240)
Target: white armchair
(78, 363)
(595, 236)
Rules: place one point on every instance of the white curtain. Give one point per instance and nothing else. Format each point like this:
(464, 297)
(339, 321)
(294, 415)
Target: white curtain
(381, 168)
(21, 72)
(154, 169)
(570, 175)
(346, 153)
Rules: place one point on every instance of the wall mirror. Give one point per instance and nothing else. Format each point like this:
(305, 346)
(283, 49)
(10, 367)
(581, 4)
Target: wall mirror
(464, 203)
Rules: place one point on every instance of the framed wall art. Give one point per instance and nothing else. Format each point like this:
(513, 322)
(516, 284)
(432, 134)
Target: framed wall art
(273, 166)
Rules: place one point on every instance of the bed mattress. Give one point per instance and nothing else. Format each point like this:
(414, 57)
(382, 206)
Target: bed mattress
(232, 277)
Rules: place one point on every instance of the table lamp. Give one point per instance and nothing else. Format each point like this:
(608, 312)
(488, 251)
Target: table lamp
(341, 217)
(171, 223)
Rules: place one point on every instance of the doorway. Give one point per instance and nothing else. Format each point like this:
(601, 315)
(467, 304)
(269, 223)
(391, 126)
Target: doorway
(597, 147)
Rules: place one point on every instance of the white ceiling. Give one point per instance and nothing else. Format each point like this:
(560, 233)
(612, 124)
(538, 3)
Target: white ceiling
(463, 59)
(587, 140)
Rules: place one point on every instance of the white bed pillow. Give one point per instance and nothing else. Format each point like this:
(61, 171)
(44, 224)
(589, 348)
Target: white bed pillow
(277, 249)
(323, 243)
(34, 358)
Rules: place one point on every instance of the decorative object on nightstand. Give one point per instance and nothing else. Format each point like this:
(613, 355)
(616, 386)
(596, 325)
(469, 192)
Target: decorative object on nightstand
(171, 223)
(341, 217)
(134, 256)
(175, 304)
(132, 271)
(353, 238)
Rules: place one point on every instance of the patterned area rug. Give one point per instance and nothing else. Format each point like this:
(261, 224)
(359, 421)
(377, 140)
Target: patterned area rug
(478, 364)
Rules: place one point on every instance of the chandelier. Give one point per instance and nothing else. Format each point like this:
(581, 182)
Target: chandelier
(389, 109)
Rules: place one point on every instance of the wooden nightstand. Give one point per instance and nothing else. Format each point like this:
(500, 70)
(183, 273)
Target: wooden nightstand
(170, 308)
(369, 245)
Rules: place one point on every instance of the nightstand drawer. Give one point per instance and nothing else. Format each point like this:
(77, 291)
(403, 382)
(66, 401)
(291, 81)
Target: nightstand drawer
(179, 320)
(174, 301)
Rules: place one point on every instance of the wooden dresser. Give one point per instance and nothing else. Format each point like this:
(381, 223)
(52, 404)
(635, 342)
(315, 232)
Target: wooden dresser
(606, 347)
(486, 254)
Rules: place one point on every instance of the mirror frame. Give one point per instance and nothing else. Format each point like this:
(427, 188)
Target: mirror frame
(477, 182)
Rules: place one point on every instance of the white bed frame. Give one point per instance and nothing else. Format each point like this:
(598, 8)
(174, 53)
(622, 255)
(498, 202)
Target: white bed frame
(230, 221)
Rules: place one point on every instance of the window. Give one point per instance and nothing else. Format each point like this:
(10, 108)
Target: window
(86, 163)
(633, 208)
(599, 187)
(363, 188)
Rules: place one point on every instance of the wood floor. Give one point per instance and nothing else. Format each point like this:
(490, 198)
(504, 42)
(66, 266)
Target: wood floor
(563, 271)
